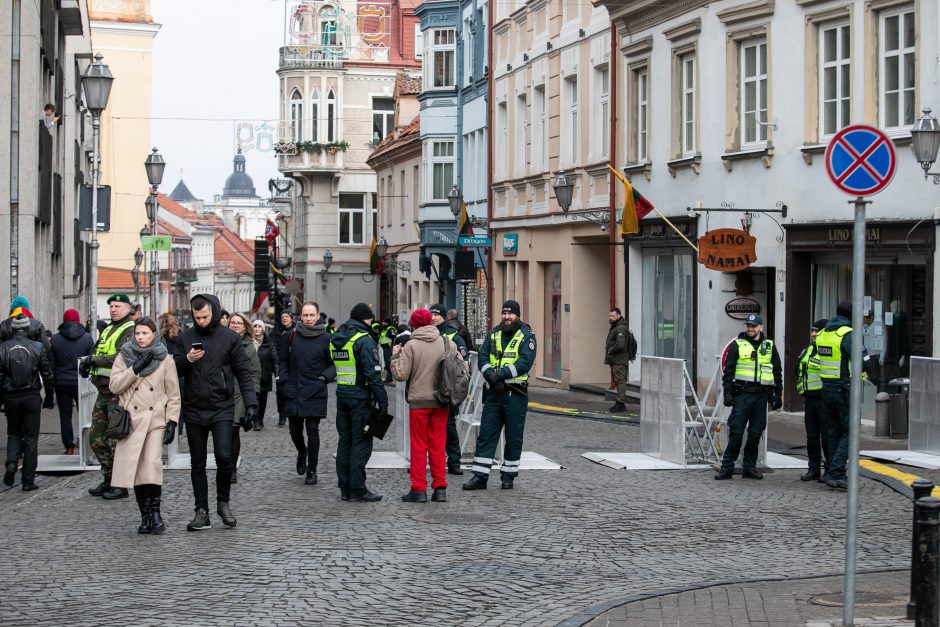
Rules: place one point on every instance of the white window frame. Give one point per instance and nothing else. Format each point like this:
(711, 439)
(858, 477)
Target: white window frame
(842, 68)
(539, 128)
(641, 80)
(440, 159)
(900, 13)
(447, 52)
(331, 116)
(419, 41)
(759, 77)
(572, 119)
(315, 115)
(329, 27)
(388, 117)
(353, 213)
(519, 143)
(687, 108)
(296, 104)
(502, 153)
(601, 122)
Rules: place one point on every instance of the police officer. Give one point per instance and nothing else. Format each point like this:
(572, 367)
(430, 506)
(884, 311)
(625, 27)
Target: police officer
(504, 361)
(439, 319)
(386, 339)
(834, 352)
(809, 385)
(751, 374)
(358, 386)
(98, 366)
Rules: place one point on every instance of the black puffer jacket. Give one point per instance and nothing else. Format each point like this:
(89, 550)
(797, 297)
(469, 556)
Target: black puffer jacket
(210, 382)
(71, 343)
(305, 372)
(267, 354)
(279, 337)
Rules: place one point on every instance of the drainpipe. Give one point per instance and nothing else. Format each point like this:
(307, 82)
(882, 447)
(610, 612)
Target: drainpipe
(489, 160)
(612, 151)
(458, 174)
(14, 148)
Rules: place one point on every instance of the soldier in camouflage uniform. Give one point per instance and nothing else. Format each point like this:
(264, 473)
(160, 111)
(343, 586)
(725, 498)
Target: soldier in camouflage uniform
(98, 366)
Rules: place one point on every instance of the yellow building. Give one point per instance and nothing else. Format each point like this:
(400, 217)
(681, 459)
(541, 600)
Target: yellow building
(123, 31)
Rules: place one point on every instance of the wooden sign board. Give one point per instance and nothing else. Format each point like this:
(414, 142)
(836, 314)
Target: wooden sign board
(727, 250)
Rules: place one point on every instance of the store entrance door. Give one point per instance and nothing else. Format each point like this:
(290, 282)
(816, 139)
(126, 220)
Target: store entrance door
(668, 304)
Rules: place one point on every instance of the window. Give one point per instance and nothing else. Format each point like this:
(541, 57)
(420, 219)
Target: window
(641, 113)
(502, 151)
(834, 78)
(467, 51)
(539, 136)
(383, 115)
(315, 114)
(419, 41)
(753, 97)
(442, 58)
(351, 218)
(402, 198)
(375, 214)
(442, 169)
(331, 116)
(896, 75)
(519, 142)
(687, 104)
(296, 116)
(571, 100)
(602, 123)
(328, 32)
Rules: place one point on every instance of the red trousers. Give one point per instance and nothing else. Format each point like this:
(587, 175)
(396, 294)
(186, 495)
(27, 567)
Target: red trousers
(428, 438)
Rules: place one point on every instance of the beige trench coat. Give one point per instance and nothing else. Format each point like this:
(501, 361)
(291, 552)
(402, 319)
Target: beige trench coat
(152, 402)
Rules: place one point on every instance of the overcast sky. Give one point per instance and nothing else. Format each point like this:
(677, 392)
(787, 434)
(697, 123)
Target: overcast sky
(214, 62)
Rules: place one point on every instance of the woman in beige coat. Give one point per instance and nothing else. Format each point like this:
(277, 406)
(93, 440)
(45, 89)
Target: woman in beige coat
(146, 385)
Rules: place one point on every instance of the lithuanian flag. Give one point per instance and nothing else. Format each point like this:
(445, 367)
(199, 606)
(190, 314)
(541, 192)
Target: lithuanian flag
(463, 223)
(375, 262)
(635, 207)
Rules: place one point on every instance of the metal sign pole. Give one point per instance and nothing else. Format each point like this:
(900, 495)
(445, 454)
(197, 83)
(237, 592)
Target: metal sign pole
(855, 411)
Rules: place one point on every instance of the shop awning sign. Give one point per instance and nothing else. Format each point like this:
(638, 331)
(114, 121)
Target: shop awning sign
(860, 160)
(727, 250)
(741, 308)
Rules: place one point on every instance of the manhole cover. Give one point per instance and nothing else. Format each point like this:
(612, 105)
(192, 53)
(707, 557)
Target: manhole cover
(862, 599)
(458, 519)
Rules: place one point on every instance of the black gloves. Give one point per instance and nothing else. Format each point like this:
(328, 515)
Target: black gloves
(499, 386)
(84, 367)
(383, 409)
(251, 412)
(491, 376)
(736, 388)
(169, 433)
(776, 402)
(142, 363)
(49, 402)
(729, 399)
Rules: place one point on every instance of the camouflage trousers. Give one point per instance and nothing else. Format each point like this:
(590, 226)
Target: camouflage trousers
(101, 444)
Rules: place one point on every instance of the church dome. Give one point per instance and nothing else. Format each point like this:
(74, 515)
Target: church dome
(239, 184)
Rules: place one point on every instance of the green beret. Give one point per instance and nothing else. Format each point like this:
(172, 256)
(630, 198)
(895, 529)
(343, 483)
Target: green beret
(119, 298)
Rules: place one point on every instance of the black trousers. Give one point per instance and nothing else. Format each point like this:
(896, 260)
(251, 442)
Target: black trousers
(748, 414)
(817, 437)
(262, 407)
(279, 395)
(23, 432)
(65, 397)
(453, 440)
(236, 446)
(198, 437)
(311, 448)
(354, 447)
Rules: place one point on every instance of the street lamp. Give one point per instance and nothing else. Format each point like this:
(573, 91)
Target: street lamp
(925, 136)
(563, 190)
(381, 248)
(327, 262)
(154, 166)
(454, 198)
(96, 88)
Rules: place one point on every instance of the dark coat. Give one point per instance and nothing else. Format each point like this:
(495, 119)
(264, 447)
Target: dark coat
(527, 351)
(267, 354)
(71, 343)
(368, 372)
(616, 348)
(305, 372)
(210, 382)
(40, 377)
(279, 337)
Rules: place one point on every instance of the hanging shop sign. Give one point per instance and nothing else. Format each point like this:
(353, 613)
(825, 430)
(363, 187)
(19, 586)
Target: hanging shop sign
(727, 250)
(741, 308)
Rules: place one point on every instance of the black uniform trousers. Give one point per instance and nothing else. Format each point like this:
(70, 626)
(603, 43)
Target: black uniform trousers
(748, 414)
(198, 437)
(66, 396)
(817, 437)
(501, 410)
(453, 440)
(354, 447)
(22, 413)
(835, 415)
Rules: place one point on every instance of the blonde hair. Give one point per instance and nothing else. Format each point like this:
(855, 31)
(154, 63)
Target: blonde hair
(170, 325)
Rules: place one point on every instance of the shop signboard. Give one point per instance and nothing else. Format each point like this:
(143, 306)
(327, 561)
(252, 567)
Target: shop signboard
(741, 308)
(510, 244)
(727, 250)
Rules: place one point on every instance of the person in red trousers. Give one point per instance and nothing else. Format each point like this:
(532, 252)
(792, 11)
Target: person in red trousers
(416, 363)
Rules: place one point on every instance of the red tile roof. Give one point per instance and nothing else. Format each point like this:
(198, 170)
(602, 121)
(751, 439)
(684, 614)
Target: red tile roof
(408, 85)
(404, 134)
(118, 279)
(165, 228)
(232, 254)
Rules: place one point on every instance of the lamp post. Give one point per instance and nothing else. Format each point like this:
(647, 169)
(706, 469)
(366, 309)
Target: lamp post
(135, 273)
(327, 262)
(563, 191)
(96, 88)
(154, 165)
(925, 137)
(454, 198)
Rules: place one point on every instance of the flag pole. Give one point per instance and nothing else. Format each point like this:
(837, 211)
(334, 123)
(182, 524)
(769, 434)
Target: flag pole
(658, 212)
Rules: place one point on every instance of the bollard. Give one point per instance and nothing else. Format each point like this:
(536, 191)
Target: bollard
(883, 414)
(921, 488)
(927, 610)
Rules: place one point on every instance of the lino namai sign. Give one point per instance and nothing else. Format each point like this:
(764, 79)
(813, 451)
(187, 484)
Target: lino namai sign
(727, 250)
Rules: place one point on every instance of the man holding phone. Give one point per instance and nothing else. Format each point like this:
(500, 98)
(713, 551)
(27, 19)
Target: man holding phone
(213, 362)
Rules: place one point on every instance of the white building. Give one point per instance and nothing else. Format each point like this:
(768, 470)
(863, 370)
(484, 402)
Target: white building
(239, 206)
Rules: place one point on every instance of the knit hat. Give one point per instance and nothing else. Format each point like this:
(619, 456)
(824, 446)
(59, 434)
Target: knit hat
(362, 312)
(20, 322)
(844, 309)
(511, 306)
(820, 324)
(420, 318)
(19, 301)
(438, 309)
(71, 315)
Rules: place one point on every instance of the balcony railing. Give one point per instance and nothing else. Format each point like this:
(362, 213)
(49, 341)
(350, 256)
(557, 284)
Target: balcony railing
(306, 57)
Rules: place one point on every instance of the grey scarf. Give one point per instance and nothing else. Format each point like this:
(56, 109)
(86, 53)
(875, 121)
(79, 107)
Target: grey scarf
(313, 331)
(132, 352)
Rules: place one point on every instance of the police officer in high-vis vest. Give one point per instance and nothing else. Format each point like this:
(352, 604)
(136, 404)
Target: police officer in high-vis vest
(355, 354)
(439, 319)
(98, 366)
(834, 352)
(752, 377)
(809, 385)
(386, 339)
(504, 361)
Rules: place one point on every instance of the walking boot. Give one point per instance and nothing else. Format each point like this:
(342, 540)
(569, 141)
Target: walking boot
(113, 493)
(475, 483)
(368, 497)
(281, 421)
(234, 475)
(506, 483)
(839, 484)
(9, 475)
(259, 425)
(752, 474)
(415, 496)
(101, 488)
(810, 476)
(343, 495)
(454, 469)
(225, 513)
(156, 518)
(200, 521)
(618, 408)
(29, 487)
(301, 463)
(141, 493)
(439, 495)
(311, 478)
(723, 475)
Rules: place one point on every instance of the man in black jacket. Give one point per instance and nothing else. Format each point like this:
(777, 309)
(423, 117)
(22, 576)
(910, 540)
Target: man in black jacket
(282, 329)
(70, 344)
(212, 361)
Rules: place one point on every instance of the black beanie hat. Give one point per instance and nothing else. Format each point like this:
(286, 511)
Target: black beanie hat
(362, 312)
(512, 307)
(844, 309)
(820, 324)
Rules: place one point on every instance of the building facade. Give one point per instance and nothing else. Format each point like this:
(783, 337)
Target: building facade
(239, 205)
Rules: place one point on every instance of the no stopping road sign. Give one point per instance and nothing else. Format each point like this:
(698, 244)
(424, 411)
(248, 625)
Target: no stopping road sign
(860, 160)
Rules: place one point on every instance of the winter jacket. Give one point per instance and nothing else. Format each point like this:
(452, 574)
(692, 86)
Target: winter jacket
(210, 382)
(107, 361)
(616, 349)
(839, 384)
(267, 354)
(417, 364)
(731, 363)
(36, 331)
(462, 332)
(71, 343)
(252, 355)
(40, 365)
(305, 372)
(368, 371)
(279, 337)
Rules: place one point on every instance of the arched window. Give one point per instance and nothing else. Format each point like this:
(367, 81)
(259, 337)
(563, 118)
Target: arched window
(331, 116)
(315, 114)
(296, 116)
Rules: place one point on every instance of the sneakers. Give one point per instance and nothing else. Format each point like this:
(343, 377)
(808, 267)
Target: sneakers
(301, 464)
(225, 513)
(618, 408)
(368, 497)
(200, 521)
(439, 495)
(9, 475)
(723, 475)
(475, 483)
(810, 476)
(101, 488)
(454, 469)
(311, 478)
(415, 496)
(114, 493)
(752, 474)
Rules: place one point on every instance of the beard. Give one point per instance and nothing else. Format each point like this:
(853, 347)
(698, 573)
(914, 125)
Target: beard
(507, 325)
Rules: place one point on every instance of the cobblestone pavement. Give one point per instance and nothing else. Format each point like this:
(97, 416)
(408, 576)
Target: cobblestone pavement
(563, 546)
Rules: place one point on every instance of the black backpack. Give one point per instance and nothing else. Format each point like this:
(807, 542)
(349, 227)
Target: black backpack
(452, 381)
(20, 365)
(631, 346)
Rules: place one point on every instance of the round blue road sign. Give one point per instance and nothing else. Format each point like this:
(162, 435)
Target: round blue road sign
(860, 160)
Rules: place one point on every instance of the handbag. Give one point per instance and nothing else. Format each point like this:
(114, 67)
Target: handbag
(378, 423)
(119, 420)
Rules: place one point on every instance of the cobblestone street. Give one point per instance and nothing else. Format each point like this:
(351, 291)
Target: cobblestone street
(563, 547)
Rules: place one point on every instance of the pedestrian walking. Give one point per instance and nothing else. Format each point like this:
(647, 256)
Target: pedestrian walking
(416, 363)
(283, 328)
(439, 320)
(242, 327)
(359, 387)
(504, 360)
(145, 383)
(462, 330)
(119, 332)
(809, 385)
(834, 352)
(25, 369)
(213, 364)
(305, 373)
(752, 377)
(619, 351)
(71, 343)
(36, 331)
(267, 355)
(170, 333)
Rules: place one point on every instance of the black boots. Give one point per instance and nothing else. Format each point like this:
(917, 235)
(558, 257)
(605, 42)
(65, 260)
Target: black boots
(618, 408)
(301, 463)
(810, 476)
(142, 494)
(752, 474)
(104, 490)
(415, 496)
(101, 488)
(454, 469)
(723, 475)
(439, 495)
(9, 475)
(368, 497)
(156, 492)
(506, 483)
(475, 483)
(311, 478)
